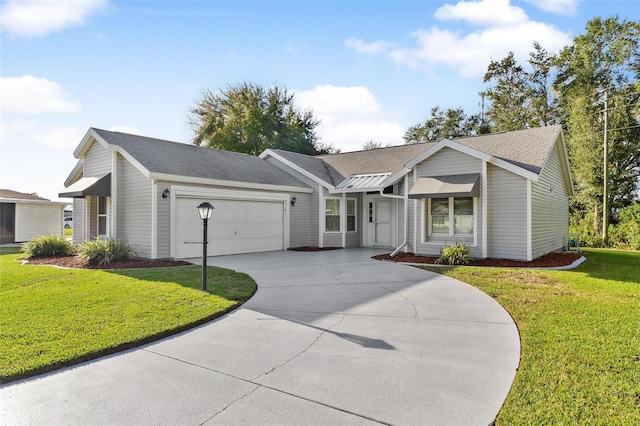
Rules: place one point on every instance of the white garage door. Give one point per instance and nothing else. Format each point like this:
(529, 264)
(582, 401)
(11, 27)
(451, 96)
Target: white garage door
(236, 226)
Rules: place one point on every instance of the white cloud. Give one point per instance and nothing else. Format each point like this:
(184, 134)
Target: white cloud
(30, 132)
(33, 95)
(374, 47)
(562, 7)
(34, 18)
(484, 12)
(470, 54)
(350, 116)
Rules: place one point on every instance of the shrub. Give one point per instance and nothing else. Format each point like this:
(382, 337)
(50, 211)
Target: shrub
(627, 233)
(455, 254)
(48, 245)
(105, 251)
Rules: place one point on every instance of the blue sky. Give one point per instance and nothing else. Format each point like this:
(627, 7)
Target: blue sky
(368, 69)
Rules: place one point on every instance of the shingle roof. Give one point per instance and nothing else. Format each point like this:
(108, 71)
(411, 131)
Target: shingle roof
(8, 193)
(528, 148)
(180, 159)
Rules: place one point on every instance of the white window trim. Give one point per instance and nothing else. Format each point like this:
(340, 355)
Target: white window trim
(105, 215)
(426, 222)
(342, 215)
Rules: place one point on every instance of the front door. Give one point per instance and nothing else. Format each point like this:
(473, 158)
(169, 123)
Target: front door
(379, 223)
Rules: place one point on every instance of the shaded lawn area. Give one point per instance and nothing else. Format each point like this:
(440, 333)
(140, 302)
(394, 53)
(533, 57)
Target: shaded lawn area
(580, 337)
(52, 317)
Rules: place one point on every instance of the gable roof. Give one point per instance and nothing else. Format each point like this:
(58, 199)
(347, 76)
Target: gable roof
(15, 195)
(523, 151)
(160, 158)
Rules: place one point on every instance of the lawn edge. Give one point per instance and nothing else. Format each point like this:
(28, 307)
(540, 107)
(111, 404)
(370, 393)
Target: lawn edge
(121, 347)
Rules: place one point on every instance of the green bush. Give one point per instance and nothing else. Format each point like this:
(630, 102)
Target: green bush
(626, 234)
(455, 254)
(105, 251)
(48, 245)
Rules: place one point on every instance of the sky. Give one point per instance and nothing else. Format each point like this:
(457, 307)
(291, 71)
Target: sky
(367, 69)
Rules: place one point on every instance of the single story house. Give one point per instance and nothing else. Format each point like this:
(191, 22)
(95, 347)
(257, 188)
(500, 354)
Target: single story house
(506, 195)
(25, 216)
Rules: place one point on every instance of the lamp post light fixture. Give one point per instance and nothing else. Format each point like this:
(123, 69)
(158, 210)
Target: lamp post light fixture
(204, 210)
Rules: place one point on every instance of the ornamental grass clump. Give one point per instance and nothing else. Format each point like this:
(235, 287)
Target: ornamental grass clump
(455, 254)
(48, 245)
(105, 251)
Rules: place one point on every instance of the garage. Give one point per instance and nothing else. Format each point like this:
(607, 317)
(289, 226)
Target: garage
(236, 226)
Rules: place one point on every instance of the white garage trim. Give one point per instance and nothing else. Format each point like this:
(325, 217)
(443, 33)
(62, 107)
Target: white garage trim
(226, 194)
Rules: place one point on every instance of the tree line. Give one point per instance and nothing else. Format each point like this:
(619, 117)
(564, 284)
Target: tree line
(590, 84)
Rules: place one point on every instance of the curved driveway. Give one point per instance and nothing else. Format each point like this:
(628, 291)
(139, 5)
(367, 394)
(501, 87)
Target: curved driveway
(329, 338)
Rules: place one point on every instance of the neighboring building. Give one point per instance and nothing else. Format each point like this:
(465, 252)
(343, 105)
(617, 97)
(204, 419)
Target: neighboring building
(505, 195)
(25, 216)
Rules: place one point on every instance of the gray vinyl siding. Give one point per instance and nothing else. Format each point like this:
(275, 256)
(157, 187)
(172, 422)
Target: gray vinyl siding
(549, 208)
(120, 205)
(136, 196)
(304, 220)
(400, 207)
(97, 161)
(92, 213)
(445, 162)
(163, 235)
(78, 220)
(448, 162)
(507, 214)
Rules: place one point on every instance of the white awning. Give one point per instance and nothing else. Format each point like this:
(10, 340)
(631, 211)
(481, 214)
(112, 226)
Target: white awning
(366, 182)
(446, 186)
(99, 186)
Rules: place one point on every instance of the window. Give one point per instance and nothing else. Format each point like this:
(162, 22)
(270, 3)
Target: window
(441, 213)
(351, 215)
(102, 215)
(440, 216)
(332, 215)
(463, 215)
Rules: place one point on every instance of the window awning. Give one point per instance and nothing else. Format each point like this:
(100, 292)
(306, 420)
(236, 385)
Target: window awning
(446, 186)
(89, 186)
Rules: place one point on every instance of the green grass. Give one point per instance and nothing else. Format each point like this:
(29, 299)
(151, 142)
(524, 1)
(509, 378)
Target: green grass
(51, 317)
(580, 339)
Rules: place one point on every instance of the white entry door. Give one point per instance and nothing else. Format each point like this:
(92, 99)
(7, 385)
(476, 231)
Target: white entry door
(236, 226)
(379, 223)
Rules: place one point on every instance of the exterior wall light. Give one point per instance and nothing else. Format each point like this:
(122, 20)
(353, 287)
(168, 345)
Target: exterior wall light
(165, 193)
(293, 201)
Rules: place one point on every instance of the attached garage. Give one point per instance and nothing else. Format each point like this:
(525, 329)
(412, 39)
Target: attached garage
(236, 226)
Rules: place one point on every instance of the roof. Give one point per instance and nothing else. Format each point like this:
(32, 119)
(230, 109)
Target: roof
(527, 149)
(15, 195)
(160, 156)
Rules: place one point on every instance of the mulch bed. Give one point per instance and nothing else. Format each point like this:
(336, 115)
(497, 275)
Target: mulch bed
(75, 262)
(546, 261)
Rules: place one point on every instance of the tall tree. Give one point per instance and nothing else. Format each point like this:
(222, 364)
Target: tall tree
(443, 123)
(520, 97)
(249, 118)
(603, 60)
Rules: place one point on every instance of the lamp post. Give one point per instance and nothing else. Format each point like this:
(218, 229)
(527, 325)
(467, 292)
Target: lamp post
(204, 210)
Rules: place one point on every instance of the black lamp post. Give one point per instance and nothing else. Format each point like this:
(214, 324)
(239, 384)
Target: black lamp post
(204, 210)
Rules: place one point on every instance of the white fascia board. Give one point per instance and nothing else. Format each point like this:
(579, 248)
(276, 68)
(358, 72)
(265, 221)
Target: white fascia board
(447, 143)
(75, 174)
(514, 169)
(294, 166)
(564, 161)
(25, 201)
(228, 183)
(84, 144)
(354, 190)
(135, 163)
(394, 178)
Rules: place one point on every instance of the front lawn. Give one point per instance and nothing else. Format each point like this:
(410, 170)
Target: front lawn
(50, 317)
(580, 337)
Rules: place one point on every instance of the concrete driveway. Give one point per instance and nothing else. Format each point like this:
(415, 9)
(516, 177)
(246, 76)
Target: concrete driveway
(329, 338)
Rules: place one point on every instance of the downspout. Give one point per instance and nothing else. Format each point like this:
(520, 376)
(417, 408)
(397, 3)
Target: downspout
(404, 198)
